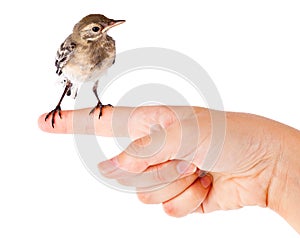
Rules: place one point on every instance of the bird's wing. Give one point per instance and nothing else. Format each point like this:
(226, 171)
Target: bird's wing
(64, 54)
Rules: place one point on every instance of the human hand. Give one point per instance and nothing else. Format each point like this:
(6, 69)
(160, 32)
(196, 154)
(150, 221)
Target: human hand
(245, 173)
(242, 174)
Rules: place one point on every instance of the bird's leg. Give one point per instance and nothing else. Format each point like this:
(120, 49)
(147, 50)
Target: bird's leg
(57, 109)
(99, 104)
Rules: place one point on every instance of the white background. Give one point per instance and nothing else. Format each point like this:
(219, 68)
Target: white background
(251, 50)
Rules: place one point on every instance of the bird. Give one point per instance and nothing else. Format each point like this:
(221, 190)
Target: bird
(84, 56)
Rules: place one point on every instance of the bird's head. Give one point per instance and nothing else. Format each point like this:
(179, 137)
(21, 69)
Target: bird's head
(92, 27)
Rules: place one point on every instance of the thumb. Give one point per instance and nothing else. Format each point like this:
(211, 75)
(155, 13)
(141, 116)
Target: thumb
(158, 147)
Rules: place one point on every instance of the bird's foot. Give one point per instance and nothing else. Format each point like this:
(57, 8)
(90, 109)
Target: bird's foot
(57, 110)
(100, 106)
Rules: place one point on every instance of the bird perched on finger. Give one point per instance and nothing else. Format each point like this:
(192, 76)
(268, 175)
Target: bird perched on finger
(84, 56)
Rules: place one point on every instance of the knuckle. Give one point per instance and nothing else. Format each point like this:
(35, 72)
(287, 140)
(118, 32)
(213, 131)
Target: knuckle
(165, 115)
(137, 148)
(159, 175)
(143, 141)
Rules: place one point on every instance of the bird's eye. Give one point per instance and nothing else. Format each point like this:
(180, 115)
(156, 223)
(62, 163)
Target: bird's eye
(95, 29)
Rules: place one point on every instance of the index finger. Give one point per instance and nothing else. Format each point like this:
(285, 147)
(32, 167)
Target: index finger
(116, 121)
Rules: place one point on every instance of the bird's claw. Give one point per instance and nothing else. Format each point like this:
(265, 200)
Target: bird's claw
(100, 106)
(57, 109)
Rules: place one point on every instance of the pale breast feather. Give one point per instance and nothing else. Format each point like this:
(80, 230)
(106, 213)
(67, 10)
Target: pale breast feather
(64, 54)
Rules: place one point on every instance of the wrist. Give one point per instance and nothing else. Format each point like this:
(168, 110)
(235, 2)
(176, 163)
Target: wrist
(284, 189)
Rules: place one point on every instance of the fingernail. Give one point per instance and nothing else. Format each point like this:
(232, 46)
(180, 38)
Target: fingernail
(201, 173)
(206, 181)
(185, 167)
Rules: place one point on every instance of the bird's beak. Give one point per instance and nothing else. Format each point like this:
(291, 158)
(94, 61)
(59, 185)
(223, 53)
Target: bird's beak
(112, 24)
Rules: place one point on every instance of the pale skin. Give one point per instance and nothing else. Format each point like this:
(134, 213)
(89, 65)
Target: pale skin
(258, 164)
